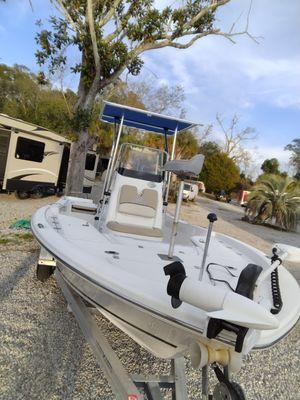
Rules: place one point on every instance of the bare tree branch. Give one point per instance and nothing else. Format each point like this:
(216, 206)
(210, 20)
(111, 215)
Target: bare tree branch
(90, 18)
(231, 34)
(233, 139)
(207, 131)
(64, 96)
(178, 45)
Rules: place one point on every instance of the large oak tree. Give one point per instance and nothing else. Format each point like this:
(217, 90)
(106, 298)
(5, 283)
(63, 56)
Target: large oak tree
(111, 36)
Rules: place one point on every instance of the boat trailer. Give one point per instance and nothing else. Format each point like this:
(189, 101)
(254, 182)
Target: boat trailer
(123, 385)
(127, 386)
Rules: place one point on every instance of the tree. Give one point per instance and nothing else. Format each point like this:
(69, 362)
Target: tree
(110, 37)
(219, 173)
(209, 148)
(22, 97)
(245, 183)
(163, 99)
(294, 147)
(275, 199)
(234, 139)
(271, 166)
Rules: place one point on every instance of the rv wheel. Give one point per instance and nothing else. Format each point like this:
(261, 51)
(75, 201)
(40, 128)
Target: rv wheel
(43, 272)
(22, 194)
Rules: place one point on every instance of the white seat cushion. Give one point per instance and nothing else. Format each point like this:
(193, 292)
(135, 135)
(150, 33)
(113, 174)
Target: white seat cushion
(131, 203)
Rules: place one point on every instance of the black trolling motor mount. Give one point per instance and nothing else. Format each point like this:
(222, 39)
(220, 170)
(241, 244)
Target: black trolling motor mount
(177, 275)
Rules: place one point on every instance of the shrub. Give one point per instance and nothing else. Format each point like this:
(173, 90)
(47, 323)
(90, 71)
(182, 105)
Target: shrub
(219, 173)
(275, 199)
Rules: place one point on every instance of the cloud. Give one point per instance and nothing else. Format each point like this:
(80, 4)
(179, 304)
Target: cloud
(274, 81)
(221, 77)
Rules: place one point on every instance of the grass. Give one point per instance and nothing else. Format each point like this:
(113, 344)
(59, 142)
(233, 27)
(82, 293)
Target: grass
(16, 238)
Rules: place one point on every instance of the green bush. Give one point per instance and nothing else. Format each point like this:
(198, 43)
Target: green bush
(275, 199)
(219, 173)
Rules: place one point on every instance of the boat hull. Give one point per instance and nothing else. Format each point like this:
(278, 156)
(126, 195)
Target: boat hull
(163, 337)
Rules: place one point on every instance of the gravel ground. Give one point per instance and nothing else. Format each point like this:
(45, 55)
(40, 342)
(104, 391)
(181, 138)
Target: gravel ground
(43, 355)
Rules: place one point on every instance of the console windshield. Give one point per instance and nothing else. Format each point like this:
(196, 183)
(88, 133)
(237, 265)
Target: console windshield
(141, 162)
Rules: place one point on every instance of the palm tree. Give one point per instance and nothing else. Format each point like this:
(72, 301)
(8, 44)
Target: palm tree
(275, 199)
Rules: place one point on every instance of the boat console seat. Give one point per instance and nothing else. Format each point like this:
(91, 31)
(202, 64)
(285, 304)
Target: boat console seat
(143, 205)
(136, 212)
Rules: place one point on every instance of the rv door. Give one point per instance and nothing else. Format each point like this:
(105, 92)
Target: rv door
(4, 146)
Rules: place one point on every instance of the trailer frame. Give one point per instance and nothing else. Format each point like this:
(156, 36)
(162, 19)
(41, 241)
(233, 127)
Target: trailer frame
(123, 385)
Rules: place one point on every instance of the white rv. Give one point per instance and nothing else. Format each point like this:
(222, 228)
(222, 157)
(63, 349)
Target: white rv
(34, 160)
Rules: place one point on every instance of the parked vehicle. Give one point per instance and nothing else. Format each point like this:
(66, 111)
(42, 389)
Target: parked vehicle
(34, 160)
(190, 191)
(243, 198)
(201, 187)
(193, 192)
(186, 191)
(223, 196)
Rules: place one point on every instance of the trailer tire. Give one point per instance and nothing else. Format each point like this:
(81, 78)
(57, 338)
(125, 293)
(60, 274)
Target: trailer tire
(22, 194)
(43, 272)
(37, 194)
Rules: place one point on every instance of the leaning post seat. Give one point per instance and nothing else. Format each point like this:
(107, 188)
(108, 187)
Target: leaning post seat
(185, 168)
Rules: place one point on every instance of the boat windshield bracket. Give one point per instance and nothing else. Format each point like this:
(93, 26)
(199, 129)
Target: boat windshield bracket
(111, 163)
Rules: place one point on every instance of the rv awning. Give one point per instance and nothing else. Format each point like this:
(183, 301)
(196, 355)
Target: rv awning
(142, 119)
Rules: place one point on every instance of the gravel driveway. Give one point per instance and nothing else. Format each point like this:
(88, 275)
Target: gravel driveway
(43, 355)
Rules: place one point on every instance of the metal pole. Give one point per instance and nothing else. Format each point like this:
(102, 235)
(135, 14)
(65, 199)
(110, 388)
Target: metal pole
(204, 383)
(166, 140)
(109, 164)
(172, 158)
(176, 220)
(121, 383)
(212, 218)
(114, 154)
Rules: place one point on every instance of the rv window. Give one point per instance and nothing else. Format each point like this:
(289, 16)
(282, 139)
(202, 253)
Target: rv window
(90, 162)
(30, 150)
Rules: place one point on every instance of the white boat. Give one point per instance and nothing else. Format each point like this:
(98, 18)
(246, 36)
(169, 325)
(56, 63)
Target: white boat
(176, 289)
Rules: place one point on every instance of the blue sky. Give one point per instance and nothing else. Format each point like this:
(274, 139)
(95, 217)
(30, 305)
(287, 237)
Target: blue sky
(259, 82)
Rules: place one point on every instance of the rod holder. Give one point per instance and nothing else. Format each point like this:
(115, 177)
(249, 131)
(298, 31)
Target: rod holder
(212, 218)
(176, 220)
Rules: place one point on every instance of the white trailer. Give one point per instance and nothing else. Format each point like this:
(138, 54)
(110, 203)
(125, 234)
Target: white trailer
(34, 160)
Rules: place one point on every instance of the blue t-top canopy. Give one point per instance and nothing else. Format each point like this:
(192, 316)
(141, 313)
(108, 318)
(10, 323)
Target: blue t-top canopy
(142, 119)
